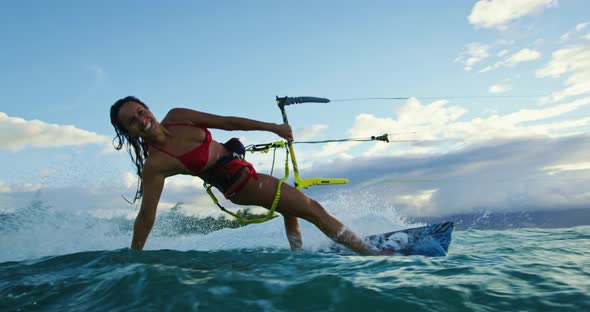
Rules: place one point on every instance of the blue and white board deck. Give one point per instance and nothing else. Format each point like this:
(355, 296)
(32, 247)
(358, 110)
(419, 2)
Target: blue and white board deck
(432, 240)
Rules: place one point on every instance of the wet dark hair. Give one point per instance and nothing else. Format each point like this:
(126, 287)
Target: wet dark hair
(136, 146)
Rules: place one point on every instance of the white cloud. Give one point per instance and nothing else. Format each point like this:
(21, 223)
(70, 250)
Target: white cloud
(572, 61)
(550, 112)
(565, 60)
(334, 148)
(4, 188)
(17, 133)
(424, 121)
(576, 31)
(437, 127)
(553, 169)
(491, 67)
(365, 125)
(421, 120)
(378, 148)
(428, 121)
(567, 36)
(309, 132)
(498, 13)
(182, 183)
(516, 124)
(472, 54)
(582, 26)
(26, 187)
(130, 179)
(419, 202)
(523, 55)
(495, 175)
(497, 88)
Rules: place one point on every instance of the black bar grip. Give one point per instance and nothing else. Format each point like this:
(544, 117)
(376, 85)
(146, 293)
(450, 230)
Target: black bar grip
(300, 99)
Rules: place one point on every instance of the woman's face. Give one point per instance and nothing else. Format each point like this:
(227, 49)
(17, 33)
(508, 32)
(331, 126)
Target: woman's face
(138, 120)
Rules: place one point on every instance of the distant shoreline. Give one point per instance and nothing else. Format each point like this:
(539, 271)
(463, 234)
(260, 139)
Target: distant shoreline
(513, 220)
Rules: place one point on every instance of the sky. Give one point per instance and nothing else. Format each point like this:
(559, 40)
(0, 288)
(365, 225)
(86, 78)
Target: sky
(487, 103)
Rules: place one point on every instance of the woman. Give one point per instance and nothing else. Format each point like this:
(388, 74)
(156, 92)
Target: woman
(181, 144)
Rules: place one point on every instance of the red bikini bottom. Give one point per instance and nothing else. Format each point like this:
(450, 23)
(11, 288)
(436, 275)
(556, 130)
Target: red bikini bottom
(228, 171)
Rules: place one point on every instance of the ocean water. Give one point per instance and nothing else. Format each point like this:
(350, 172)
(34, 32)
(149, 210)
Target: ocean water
(63, 261)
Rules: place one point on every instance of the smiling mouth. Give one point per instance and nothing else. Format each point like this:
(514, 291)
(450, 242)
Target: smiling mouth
(148, 127)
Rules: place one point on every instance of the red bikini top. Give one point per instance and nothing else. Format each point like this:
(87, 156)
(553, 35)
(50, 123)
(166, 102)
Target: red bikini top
(195, 159)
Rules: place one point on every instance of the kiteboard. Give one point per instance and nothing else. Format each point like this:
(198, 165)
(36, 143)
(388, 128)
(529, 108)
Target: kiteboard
(431, 240)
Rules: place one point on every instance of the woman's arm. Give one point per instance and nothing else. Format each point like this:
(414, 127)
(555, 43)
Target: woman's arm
(293, 232)
(153, 183)
(228, 123)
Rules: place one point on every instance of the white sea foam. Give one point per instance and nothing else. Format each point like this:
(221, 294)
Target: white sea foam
(41, 230)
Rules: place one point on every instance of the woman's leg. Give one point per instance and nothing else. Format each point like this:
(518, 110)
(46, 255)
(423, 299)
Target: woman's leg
(293, 203)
